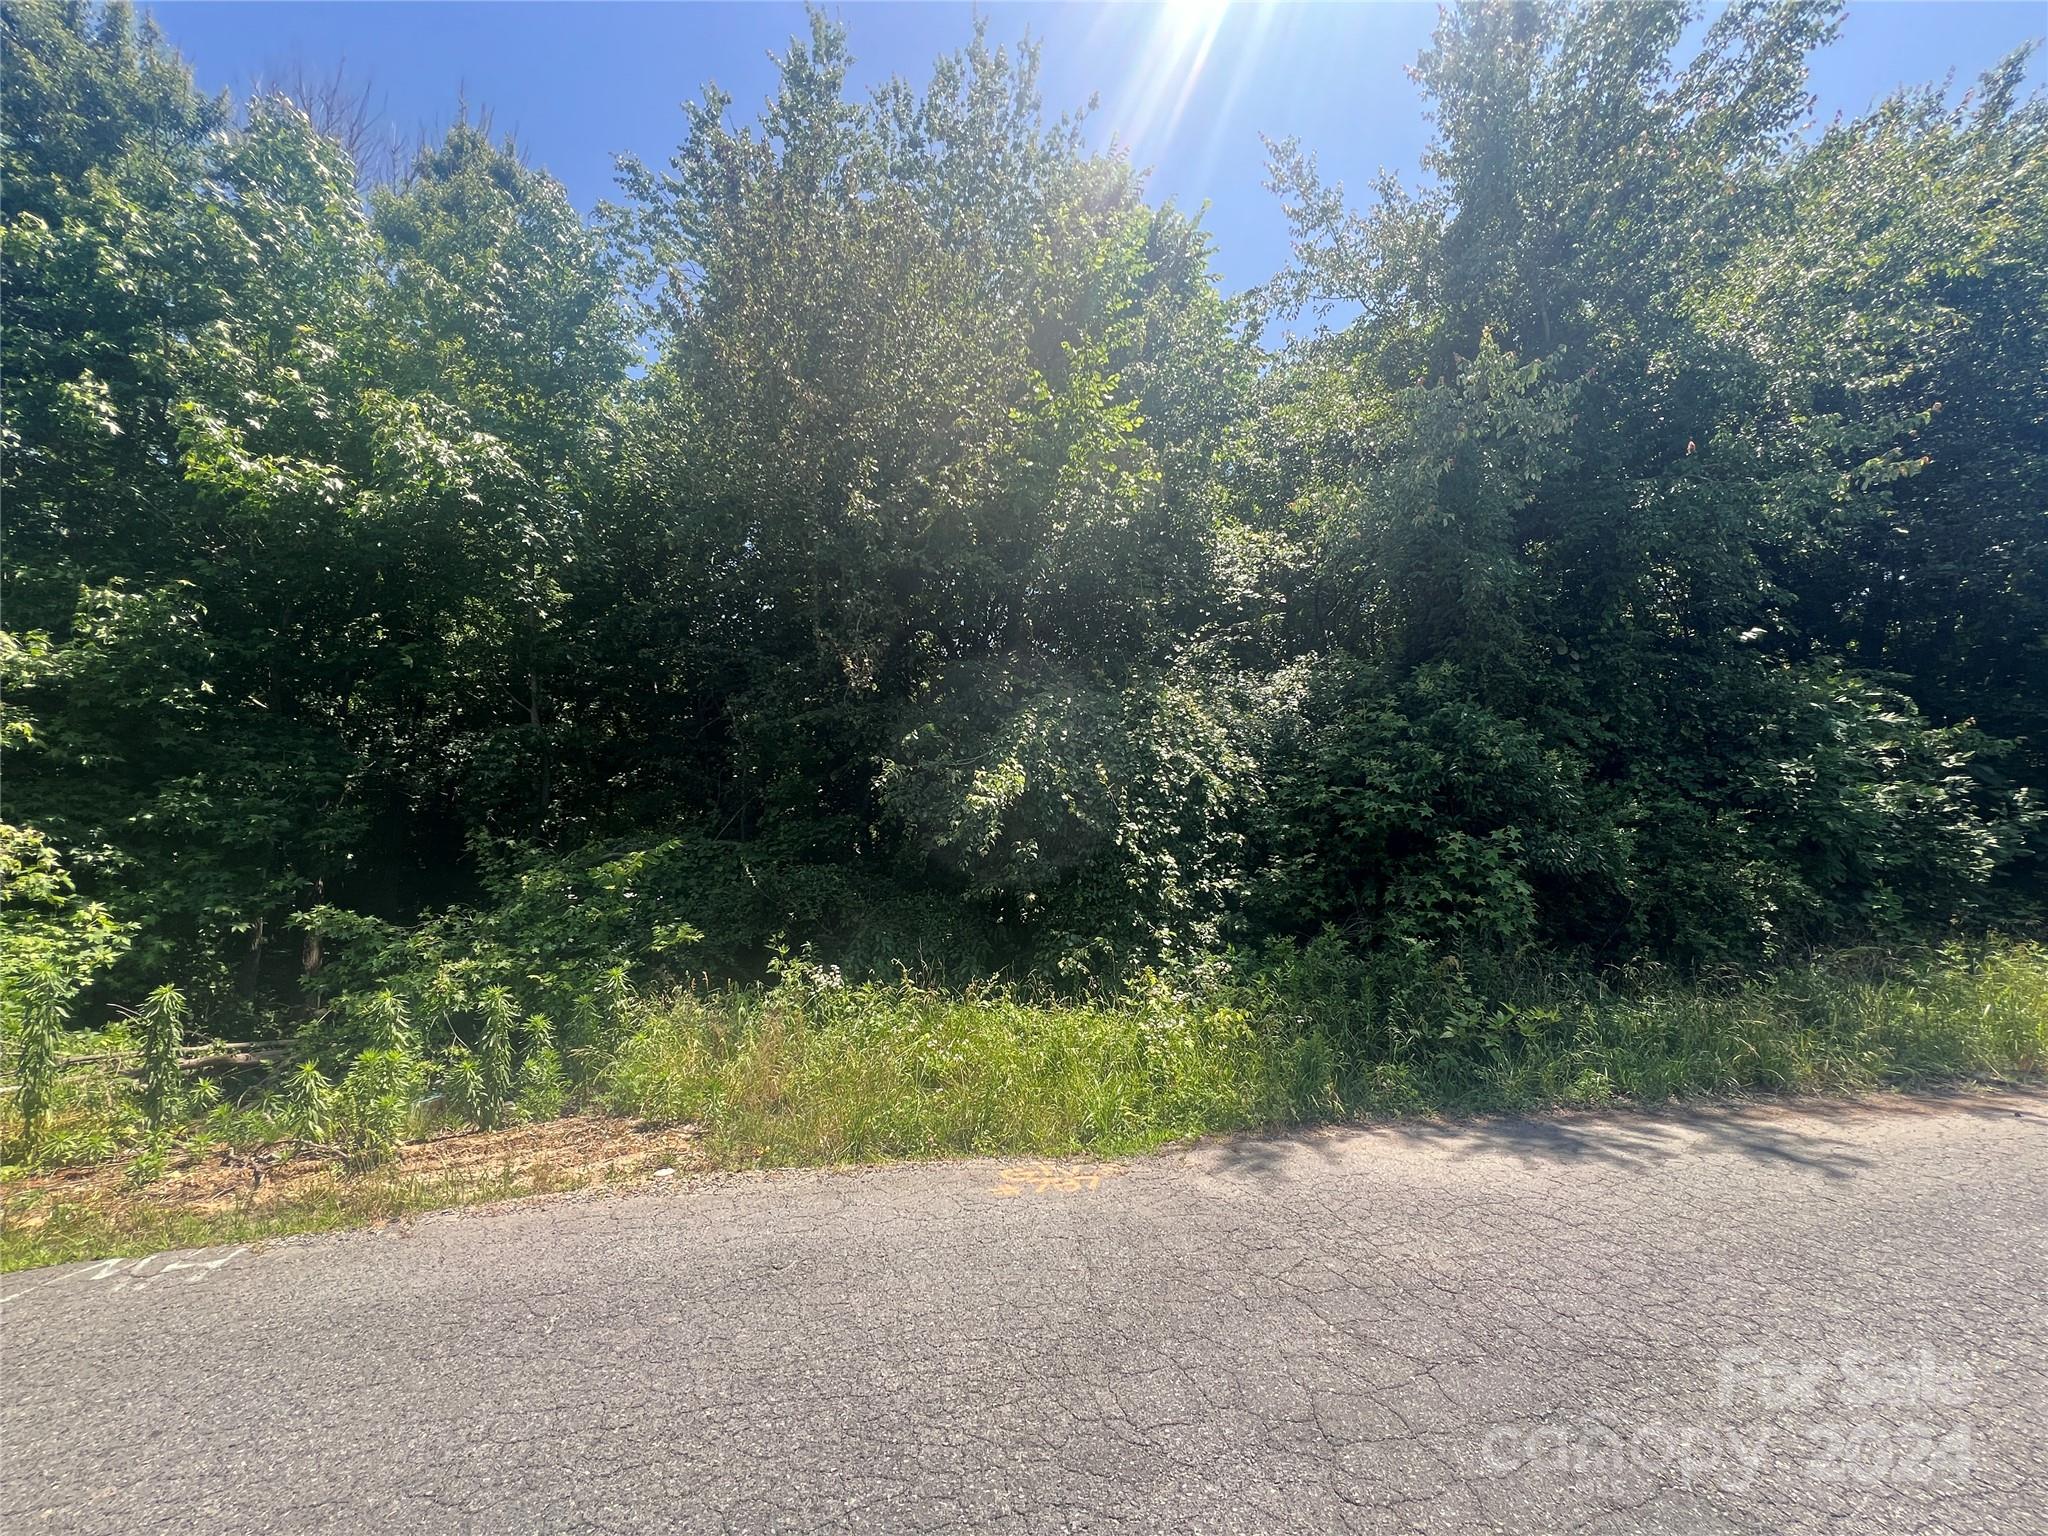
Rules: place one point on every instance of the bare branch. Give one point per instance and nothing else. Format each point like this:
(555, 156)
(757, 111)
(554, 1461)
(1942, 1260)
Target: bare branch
(344, 109)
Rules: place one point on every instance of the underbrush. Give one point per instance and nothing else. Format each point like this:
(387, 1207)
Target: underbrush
(857, 1074)
(811, 1072)
(808, 1070)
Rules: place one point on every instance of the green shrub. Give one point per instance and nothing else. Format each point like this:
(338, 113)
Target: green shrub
(493, 1057)
(366, 1115)
(38, 1042)
(161, 1027)
(310, 1107)
(541, 1089)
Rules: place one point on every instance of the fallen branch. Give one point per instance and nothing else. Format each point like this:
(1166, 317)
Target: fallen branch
(261, 1160)
(230, 1059)
(232, 1053)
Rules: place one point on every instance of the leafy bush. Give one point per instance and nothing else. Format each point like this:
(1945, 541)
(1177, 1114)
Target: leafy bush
(46, 927)
(374, 1105)
(38, 1033)
(161, 1025)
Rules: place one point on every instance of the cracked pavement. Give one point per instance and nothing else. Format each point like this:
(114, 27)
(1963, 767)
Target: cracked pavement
(1813, 1318)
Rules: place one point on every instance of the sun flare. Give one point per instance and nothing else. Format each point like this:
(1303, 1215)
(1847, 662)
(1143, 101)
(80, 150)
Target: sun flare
(1180, 36)
(1192, 22)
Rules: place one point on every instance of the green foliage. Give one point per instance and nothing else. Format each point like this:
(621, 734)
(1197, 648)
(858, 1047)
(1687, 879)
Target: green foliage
(434, 621)
(494, 1055)
(44, 926)
(310, 1107)
(161, 1026)
(800, 1074)
(1890, 302)
(149, 1164)
(38, 1008)
(541, 1088)
(373, 1105)
(1100, 824)
(1561, 531)
(808, 1071)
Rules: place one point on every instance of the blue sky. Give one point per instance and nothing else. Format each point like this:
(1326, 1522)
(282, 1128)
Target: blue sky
(579, 82)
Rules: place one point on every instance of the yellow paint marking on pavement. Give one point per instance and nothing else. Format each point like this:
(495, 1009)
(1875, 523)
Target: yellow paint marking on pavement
(1048, 1178)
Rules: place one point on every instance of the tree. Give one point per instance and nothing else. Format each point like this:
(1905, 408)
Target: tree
(898, 431)
(428, 610)
(1596, 579)
(1892, 303)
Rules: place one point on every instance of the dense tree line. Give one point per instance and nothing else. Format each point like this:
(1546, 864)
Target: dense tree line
(875, 531)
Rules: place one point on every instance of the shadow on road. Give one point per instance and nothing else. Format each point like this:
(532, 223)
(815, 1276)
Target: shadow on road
(1804, 1133)
(1638, 1143)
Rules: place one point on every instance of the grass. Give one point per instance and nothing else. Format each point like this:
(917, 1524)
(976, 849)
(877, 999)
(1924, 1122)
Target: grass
(808, 1072)
(900, 1072)
(807, 1075)
(57, 1231)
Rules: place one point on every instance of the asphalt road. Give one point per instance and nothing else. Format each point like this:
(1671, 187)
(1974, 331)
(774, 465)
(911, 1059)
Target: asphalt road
(1826, 1319)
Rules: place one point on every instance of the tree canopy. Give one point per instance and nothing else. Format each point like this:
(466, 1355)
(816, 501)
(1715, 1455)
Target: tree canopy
(876, 531)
